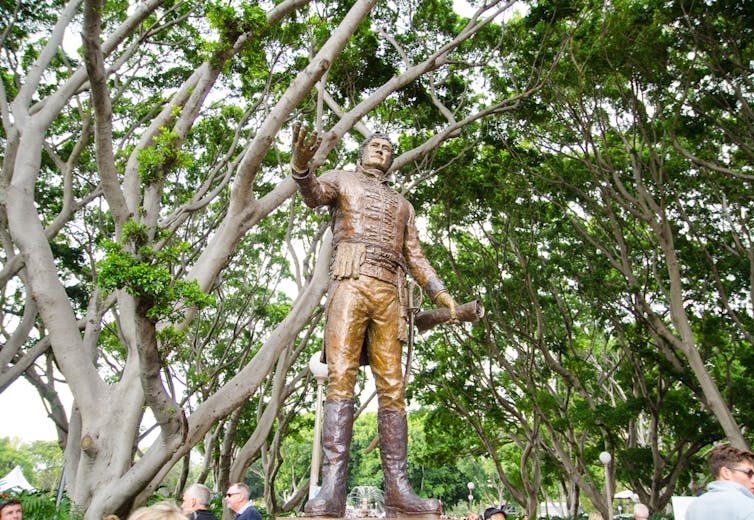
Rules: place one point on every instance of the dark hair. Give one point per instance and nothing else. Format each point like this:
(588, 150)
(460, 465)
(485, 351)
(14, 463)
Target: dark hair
(377, 135)
(493, 511)
(9, 502)
(725, 456)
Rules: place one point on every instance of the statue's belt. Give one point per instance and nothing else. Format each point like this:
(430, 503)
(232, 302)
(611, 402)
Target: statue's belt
(355, 258)
(383, 257)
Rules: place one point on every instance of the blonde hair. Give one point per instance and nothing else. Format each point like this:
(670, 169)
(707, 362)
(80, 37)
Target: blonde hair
(595, 515)
(164, 510)
(111, 517)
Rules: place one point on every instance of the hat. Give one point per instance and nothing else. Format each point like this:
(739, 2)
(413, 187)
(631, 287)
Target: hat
(492, 511)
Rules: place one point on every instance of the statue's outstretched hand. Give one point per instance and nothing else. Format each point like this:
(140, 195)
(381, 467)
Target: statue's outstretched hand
(303, 149)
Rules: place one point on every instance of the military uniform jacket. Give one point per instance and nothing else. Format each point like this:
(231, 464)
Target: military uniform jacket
(365, 209)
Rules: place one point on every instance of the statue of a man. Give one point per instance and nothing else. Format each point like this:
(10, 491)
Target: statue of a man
(375, 242)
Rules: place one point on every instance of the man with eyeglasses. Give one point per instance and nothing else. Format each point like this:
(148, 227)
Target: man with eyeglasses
(730, 495)
(237, 500)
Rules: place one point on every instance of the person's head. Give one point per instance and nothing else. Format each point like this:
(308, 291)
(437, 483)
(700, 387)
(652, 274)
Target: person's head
(237, 496)
(494, 513)
(595, 515)
(376, 152)
(641, 512)
(11, 509)
(164, 510)
(729, 463)
(111, 517)
(195, 497)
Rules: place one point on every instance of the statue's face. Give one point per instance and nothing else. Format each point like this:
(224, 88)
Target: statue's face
(377, 154)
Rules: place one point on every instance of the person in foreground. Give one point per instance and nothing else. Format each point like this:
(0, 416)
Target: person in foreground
(375, 243)
(11, 510)
(730, 495)
(237, 500)
(195, 503)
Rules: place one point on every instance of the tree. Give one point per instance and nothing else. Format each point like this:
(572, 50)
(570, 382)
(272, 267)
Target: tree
(637, 201)
(47, 459)
(609, 255)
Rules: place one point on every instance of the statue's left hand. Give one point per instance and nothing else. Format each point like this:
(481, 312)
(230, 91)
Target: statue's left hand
(303, 149)
(444, 299)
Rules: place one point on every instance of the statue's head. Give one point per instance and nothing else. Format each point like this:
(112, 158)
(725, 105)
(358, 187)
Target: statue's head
(376, 152)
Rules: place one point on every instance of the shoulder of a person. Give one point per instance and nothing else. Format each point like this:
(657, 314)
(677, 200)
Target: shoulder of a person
(250, 512)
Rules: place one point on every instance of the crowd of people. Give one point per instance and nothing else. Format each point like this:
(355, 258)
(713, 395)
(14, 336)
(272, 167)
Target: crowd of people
(195, 504)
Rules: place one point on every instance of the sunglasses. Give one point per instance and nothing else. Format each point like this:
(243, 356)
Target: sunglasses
(748, 472)
(228, 495)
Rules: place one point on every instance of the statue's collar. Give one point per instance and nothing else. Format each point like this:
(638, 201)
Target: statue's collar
(374, 173)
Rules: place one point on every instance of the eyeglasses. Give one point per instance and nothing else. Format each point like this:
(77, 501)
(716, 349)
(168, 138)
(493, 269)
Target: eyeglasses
(748, 472)
(231, 494)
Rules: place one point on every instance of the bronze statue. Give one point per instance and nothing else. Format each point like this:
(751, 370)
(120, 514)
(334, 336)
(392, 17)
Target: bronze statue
(375, 242)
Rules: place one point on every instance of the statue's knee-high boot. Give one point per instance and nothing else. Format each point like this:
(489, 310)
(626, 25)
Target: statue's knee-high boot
(400, 499)
(337, 428)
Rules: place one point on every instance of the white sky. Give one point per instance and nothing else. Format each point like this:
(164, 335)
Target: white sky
(23, 414)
